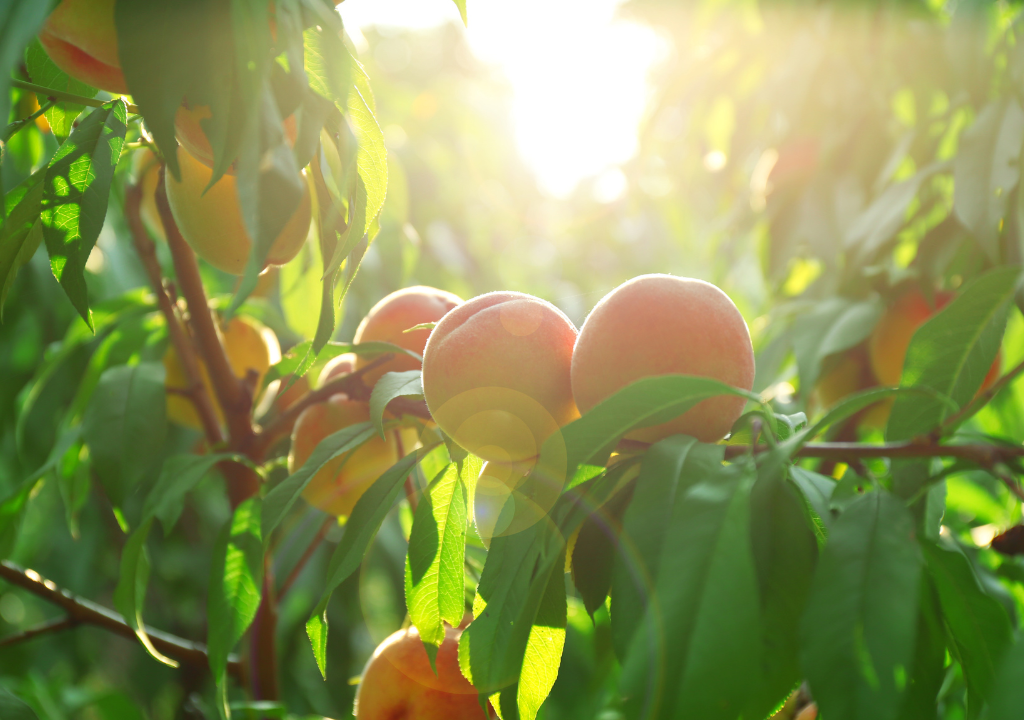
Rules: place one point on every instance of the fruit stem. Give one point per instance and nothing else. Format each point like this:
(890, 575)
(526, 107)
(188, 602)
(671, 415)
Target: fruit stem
(52, 94)
(19, 124)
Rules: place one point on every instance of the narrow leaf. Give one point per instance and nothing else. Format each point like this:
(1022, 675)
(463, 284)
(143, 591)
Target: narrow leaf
(19, 21)
(130, 594)
(1008, 691)
(179, 475)
(44, 72)
(390, 386)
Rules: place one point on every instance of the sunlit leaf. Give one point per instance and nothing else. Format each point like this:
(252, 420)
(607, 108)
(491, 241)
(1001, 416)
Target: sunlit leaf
(44, 72)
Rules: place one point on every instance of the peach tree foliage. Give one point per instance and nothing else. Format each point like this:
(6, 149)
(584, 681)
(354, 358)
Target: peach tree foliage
(734, 572)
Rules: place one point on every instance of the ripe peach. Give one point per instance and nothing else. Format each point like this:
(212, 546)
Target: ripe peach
(339, 484)
(659, 325)
(81, 39)
(211, 220)
(496, 375)
(337, 367)
(249, 345)
(891, 338)
(388, 320)
(810, 712)
(146, 169)
(189, 131)
(398, 682)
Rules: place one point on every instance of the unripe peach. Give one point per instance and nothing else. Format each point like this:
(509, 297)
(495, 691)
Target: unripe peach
(398, 682)
(337, 367)
(146, 169)
(660, 325)
(249, 346)
(496, 375)
(189, 131)
(211, 220)
(341, 482)
(81, 39)
(388, 320)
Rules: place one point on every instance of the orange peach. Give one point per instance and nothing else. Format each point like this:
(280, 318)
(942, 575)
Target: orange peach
(249, 346)
(496, 375)
(211, 221)
(189, 131)
(389, 319)
(659, 325)
(340, 483)
(398, 682)
(81, 39)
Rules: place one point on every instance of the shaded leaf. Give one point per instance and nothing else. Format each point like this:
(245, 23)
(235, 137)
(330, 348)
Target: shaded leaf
(180, 473)
(22, 231)
(1008, 691)
(390, 386)
(19, 21)
(11, 707)
(44, 72)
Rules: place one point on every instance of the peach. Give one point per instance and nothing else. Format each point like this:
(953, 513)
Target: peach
(339, 484)
(389, 319)
(211, 222)
(189, 131)
(398, 682)
(249, 346)
(659, 325)
(844, 374)
(337, 367)
(146, 169)
(81, 39)
(496, 375)
(809, 712)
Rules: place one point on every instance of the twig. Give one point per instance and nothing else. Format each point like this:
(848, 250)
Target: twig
(146, 250)
(46, 628)
(17, 125)
(65, 96)
(313, 545)
(982, 399)
(83, 612)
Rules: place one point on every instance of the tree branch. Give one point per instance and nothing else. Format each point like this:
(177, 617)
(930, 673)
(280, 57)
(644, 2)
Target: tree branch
(17, 125)
(313, 545)
(46, 628)
(83, 612)
(65, 96)
(182, 343)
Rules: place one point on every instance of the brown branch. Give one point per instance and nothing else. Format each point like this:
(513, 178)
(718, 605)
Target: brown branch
(146, 250)
(51, 626)
(982, 399)
(313, 545)
(83, 612)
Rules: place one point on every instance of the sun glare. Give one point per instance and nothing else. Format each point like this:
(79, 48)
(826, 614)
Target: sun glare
(578, 73)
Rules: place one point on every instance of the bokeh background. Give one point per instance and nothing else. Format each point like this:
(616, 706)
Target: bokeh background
(808, 157)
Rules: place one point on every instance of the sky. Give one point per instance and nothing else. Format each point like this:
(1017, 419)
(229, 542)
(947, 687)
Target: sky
(578, 74)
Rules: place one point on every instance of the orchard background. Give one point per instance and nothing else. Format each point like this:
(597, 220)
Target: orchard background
(848, 173)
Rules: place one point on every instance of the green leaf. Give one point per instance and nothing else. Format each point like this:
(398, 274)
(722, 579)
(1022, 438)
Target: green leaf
(362, 526)
(280, 500)
(952, 352)
(328, 63)
(928, 669)
(434, 573)
(236, 581)
(696, 651)
(1008, 692)
(21, 232)
(985, 171)
(596, 549)
(179, 475)
(75, 194)
(19, 21)
(44, 72)
(644, 527)
(858, 628)
(125, 426)
(833, 325)
(130, 594)
(11, 707)
(816, 490)
(390, 386)
(11, 510)
(976, 621)
(461, 5)
(372, 155)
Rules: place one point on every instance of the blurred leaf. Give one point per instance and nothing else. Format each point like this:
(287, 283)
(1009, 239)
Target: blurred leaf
(644, 526)
(236, 580)
(11, 707)
(975, 620)
(390, 386)
(362, 526)
(130, 594)
(73, 481)
(1008, 691)
(44, 72)
(328, 63)
(697, 650)
(461, 5)
(19, 21)
(927, 672)
(11, 510)
(434, 573)
(952, 351)
(985, 171)
(300, 285)
(372, 155)
(817, 493)
(75, 194)
(832, 326)
(597, 548)
(280, 499)
(180, 473)
(125, 425)
(21, 232)
(858, 628)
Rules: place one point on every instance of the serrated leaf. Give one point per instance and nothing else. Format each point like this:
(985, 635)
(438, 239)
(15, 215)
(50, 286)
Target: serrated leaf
(180, 473)
(75, 194)
(236, 580)
(44, 72)
(19, 21)
(366, 518)
(390, 386)
(328, 63)
(977, 622)
(130, 594)
(372, 155)
(985, 171)
(125, 425)
(696, 652)
(952, 352)
(434, 573)
(857, 632)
